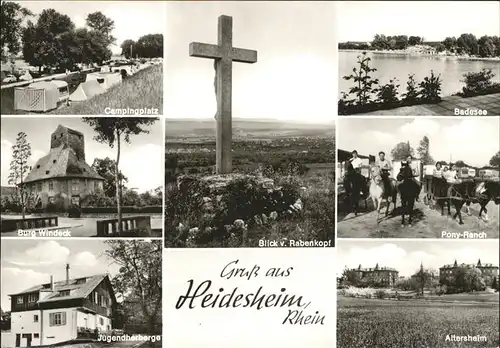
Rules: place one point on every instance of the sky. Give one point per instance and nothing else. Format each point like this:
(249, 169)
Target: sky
(434, 20)
(30, 262)
(472, 140)
(294, 77)
(406, 256)
(141, 161)
(133, 19)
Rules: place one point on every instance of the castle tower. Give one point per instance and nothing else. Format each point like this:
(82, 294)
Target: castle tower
(68, 138)
(455, 264)
(479, 263)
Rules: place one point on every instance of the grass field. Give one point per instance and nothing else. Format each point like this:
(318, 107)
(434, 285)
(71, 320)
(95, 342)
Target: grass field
(410, 324)
(427, 222)
(142, 90)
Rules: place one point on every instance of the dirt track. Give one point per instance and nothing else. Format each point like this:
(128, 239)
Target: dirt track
(427, 222)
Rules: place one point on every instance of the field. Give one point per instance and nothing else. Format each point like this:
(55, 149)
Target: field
(295, 156)
(427, 222)
(142, 90)
(414, 323)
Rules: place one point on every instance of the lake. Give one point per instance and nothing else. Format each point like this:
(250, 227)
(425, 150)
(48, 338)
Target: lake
(399, 66)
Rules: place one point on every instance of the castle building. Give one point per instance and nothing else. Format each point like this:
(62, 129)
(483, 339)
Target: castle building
(63, 177)
(62, 311)
(487, 270)
(384, 276)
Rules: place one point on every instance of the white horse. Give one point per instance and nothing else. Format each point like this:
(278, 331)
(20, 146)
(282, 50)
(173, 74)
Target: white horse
(377, 192)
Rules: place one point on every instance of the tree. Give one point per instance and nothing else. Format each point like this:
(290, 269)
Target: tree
(423, 151)
(111, 131)
(467, 44)
(486, 47)
(414, 40)
(103, 25)
(21, 152)
(461, 163)
(425, 278)
(46, 43)
(11, 30)
(106, 167)
(150, 46)
(401, 151)
(140, 278)
(128, 48)
(450, 43)
(495, 160)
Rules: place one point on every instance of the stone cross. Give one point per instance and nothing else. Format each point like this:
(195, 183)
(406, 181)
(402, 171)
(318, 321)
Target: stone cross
(224, 55)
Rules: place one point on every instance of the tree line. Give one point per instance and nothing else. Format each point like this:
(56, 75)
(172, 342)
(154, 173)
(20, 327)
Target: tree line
(148, 46)
(54, 41)
(469, 44)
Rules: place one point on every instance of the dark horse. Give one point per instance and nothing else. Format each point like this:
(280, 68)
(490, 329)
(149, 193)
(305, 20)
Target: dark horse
(409, 190)
(457, 194)
(490, 192)
(354, 185)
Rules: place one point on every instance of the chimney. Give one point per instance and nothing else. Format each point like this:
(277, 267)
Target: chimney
(67, 274)
(51, 283)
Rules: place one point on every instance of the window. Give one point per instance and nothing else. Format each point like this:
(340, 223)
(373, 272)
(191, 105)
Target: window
(20, 300)
(51, 185)
(81, 281)
(64, 293)
(101, 321)
(32, 298)
(47, 171)
(54, 161)
(36, 335)
(35, 318)
(39, 186)
(75, 186)
(57, 319)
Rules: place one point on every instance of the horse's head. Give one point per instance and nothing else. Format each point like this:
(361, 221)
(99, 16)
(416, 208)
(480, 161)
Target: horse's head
(375, 174)
(405, 172)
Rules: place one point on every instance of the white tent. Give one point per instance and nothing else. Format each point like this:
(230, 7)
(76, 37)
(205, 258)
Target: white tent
(105, 68)
(106, 80)
(86, 90)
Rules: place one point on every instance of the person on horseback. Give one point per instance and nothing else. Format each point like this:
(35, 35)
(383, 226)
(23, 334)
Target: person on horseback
(385, 172)
(356, 161)
(414, 172)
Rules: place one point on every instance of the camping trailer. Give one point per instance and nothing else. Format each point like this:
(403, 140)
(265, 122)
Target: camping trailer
(488, 173)
(466, 173)
(41, 96)
(105, 79)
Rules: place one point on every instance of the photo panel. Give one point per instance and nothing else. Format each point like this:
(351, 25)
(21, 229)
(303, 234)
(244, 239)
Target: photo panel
(409, 59)
(259, 297)
(83, 58)
(249, 131)
(86, 292)
(418, 178)
(60, 177)
(409, 293)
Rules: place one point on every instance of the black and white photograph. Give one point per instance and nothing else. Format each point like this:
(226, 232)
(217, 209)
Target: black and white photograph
(417, 294)
(414, 58)
(82, 177)
(418, 177)
(81, 293)
(82, 57)
(250, 124)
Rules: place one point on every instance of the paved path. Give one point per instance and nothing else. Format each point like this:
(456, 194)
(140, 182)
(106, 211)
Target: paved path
(490, 103)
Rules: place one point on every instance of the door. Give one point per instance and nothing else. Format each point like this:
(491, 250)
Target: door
(26, 340)
(18, 340)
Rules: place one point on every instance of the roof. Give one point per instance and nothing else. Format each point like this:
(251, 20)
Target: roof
(61, 162)
(48, 84)
(77, 291)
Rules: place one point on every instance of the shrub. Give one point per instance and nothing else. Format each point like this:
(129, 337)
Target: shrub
(412, 93)
(388, 93)
(381, 294)
(479, 83)
(74, 211)
(364, 85)
(431, 88)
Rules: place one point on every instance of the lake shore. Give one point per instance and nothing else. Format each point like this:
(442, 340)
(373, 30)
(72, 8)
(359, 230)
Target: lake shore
(413, 54)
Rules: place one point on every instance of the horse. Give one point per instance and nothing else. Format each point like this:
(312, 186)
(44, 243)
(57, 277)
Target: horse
(408, 190)
(458, 194)
(377, 191)
(485, 192)
(354, 184)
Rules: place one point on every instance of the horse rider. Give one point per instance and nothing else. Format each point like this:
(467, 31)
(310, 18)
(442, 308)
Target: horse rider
(356, 162)
(414, 173)
(385, 168)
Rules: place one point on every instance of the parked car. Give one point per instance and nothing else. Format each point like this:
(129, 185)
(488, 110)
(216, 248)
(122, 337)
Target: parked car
(9, 79)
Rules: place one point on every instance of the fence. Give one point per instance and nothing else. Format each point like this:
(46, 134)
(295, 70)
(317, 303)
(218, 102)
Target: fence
(12, 225)
(133, 226)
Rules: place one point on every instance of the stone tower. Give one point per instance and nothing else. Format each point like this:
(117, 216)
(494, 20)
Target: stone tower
(68, 138)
